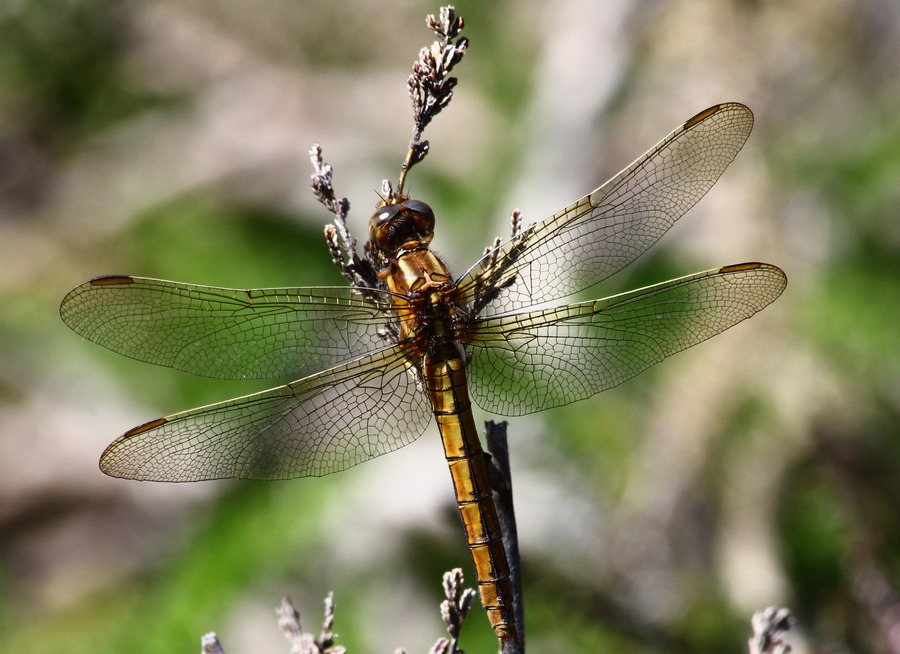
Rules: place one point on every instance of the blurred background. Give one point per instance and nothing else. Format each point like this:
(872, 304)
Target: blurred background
(169, 138)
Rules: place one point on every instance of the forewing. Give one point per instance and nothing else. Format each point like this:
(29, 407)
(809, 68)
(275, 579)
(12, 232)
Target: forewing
(533, 361)
(606, 230)
(313, 427)
(223, 332)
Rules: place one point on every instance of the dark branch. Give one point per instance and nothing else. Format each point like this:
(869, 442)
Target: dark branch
(501, 485)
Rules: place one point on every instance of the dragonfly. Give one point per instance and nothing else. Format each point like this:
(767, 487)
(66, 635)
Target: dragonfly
(374, 364)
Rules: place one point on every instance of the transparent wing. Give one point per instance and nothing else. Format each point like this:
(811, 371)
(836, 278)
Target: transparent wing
(312, 427)
(223, 332)
(606, 230)
(533, 361)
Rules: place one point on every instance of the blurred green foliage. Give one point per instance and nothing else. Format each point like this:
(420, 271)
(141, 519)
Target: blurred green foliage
(62, 63)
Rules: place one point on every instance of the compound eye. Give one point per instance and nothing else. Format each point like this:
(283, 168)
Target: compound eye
(420, 207)
(381, 219)
(386, 214)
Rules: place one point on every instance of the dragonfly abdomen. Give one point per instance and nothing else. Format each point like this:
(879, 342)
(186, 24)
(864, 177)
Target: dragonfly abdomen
(445, 381)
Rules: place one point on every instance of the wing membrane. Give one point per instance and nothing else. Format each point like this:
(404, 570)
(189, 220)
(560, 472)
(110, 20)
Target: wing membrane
(222, 332)
(528, 362)
(312, 427)
(606, 230)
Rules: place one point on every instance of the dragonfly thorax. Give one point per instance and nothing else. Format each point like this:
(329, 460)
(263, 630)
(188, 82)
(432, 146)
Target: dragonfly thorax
(402, 225)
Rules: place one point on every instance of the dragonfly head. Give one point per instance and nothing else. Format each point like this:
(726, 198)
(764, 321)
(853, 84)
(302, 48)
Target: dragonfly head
(401, 225)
